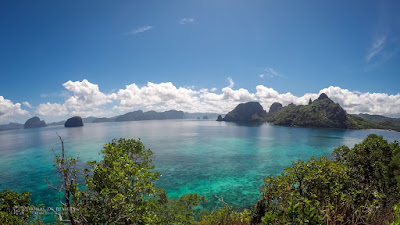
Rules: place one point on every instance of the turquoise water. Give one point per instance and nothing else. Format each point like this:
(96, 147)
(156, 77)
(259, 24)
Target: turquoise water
(206, 157)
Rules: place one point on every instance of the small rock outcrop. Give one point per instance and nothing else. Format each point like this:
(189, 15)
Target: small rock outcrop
(75, 121)
(247, 112)
(34, 122)
(275, 107)
(205, 117)
(219, 118)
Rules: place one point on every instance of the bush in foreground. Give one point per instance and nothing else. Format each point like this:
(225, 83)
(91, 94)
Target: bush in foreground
(359, 186)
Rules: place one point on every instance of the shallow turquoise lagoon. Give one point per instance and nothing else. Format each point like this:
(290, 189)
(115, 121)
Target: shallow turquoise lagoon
(206, 157)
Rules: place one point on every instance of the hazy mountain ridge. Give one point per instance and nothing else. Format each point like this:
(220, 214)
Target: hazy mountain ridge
(378, 118)
(11, 126)
(151, 115)
(57, 123)
(104, 120)
(130, 116)
(376, 122)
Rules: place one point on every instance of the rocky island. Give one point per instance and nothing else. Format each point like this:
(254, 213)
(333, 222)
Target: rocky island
(322, 112)
(75, 121)
(246, 112)
(34, 122)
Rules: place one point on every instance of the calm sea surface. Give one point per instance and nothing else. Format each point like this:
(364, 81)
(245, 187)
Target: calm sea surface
(206, 157)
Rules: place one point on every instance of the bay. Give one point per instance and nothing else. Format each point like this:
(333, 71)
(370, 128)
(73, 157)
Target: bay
(194, 156)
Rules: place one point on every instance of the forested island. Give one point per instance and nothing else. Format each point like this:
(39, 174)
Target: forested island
(322, 112)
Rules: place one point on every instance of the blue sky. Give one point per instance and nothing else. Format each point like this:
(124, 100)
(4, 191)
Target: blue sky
(299, 47)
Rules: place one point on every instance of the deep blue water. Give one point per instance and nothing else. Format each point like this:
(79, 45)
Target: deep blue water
(206, 157)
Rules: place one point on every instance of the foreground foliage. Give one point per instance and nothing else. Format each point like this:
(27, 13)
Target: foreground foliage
(360, 185)
(16, 208)
(120, 190)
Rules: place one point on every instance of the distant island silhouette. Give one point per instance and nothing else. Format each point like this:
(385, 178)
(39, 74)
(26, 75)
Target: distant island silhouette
(322, 112)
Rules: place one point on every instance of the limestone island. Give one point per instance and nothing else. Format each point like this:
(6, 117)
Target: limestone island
(75, 121)
(246, 112)
(34, 122)
(322, 112)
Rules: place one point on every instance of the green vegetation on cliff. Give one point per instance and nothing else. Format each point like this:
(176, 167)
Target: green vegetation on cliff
(322, 112)
(366, 121)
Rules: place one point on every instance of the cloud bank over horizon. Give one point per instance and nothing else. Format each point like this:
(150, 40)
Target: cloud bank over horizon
(86, 99)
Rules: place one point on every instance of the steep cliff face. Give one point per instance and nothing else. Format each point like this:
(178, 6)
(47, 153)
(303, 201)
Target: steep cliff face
(75, 121)
(34, 122)
(246, 112)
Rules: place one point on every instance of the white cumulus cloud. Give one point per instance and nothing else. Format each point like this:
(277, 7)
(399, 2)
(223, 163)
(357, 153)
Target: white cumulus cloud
(85, 95)
(166, 96)
(52, 109)
(371, 103)
(9, 110)
(86, 99)
(155, 95)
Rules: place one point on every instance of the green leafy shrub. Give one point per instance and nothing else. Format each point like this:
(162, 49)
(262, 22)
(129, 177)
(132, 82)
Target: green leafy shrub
(359, 186)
